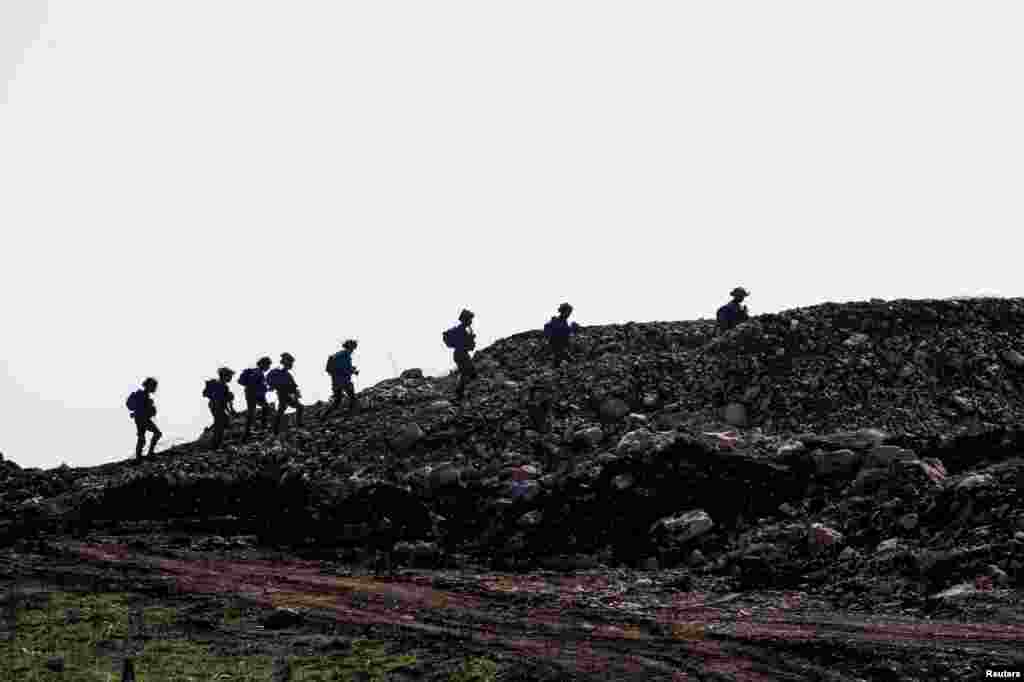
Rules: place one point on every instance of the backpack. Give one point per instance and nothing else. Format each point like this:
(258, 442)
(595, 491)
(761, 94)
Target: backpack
(208, 391)
(331, 364)
(723, 314)
(275, 378)
(449, 337)
(134, 402)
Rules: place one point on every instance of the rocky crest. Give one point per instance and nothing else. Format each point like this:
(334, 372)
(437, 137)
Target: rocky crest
(873, 449)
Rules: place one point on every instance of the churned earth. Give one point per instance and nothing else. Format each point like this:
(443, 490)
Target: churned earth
(595, 624)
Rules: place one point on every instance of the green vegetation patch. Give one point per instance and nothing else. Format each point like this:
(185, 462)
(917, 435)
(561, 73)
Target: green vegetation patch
(92, 633)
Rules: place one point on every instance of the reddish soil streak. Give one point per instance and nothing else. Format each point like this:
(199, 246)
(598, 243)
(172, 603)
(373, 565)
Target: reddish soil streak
(497, 615)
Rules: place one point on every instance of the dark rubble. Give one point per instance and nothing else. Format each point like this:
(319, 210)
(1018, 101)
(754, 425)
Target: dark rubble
(869, 451)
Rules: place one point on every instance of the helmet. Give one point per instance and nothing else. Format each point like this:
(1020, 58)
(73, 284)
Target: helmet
(149, 381)
(287, 357)
(466, 315)
(350, 343)
(739, 291)
(565, 308)
(226, 372)
(264, 361)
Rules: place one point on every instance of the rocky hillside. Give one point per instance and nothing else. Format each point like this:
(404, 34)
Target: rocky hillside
(873, 448)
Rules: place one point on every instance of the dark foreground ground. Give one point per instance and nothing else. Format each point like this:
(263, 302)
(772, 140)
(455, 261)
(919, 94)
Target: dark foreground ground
(599, 624)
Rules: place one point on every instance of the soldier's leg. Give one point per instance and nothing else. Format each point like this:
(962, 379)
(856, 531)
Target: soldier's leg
(282, 405)
(140, 437)
(298, 411)
(265, 412)
(250, 415)
(219, 424)
(157, 433)
(335, 398)
(350, 390)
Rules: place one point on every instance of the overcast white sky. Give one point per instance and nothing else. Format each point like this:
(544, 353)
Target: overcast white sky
(190, 184)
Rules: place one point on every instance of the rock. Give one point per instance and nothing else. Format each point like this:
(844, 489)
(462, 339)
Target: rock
(889, 546)
(885, 455)
(1014, 359)
(55, 663)
(642, 443)
(963, 404)
(437, 407)
(696, 558)
(512, 427)
(669, 421)
(414, 373)
(998, 575)
(445, 475)
(975, 481)
(861, 439)
(956, 592)
(591, 436)
(820, 536)
(931, 467)
(684, 527)
(849, 554)
(735, 414)
(531, 519)
(281, 618)
(790, 448)
(908, 521)
(613, 409)
(635, 442)
(636, 421)
(623, 481)
(870, 479)
(856, 340)
(524, 472)
(524, 490)
(788, 509)
(405, 437)
(835, 462)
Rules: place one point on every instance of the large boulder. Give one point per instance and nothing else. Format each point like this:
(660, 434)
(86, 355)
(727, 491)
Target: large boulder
(735, 414)
(820, 537)
(683, 527)
(592, 436)
(828, 463)
(885, 455)
(613, 409)
(405, 436)
(641, 442)
(861, 439)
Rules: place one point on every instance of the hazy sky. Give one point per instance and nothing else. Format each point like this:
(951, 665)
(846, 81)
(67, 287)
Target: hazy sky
(189, 184)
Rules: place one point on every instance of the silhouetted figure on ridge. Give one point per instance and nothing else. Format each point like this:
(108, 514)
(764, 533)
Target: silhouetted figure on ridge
(140, 404)
(222, 403)
(558, 330)
(254, 379)
(340, 367)
(288, 394)
(733, 312)
(462, 339)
